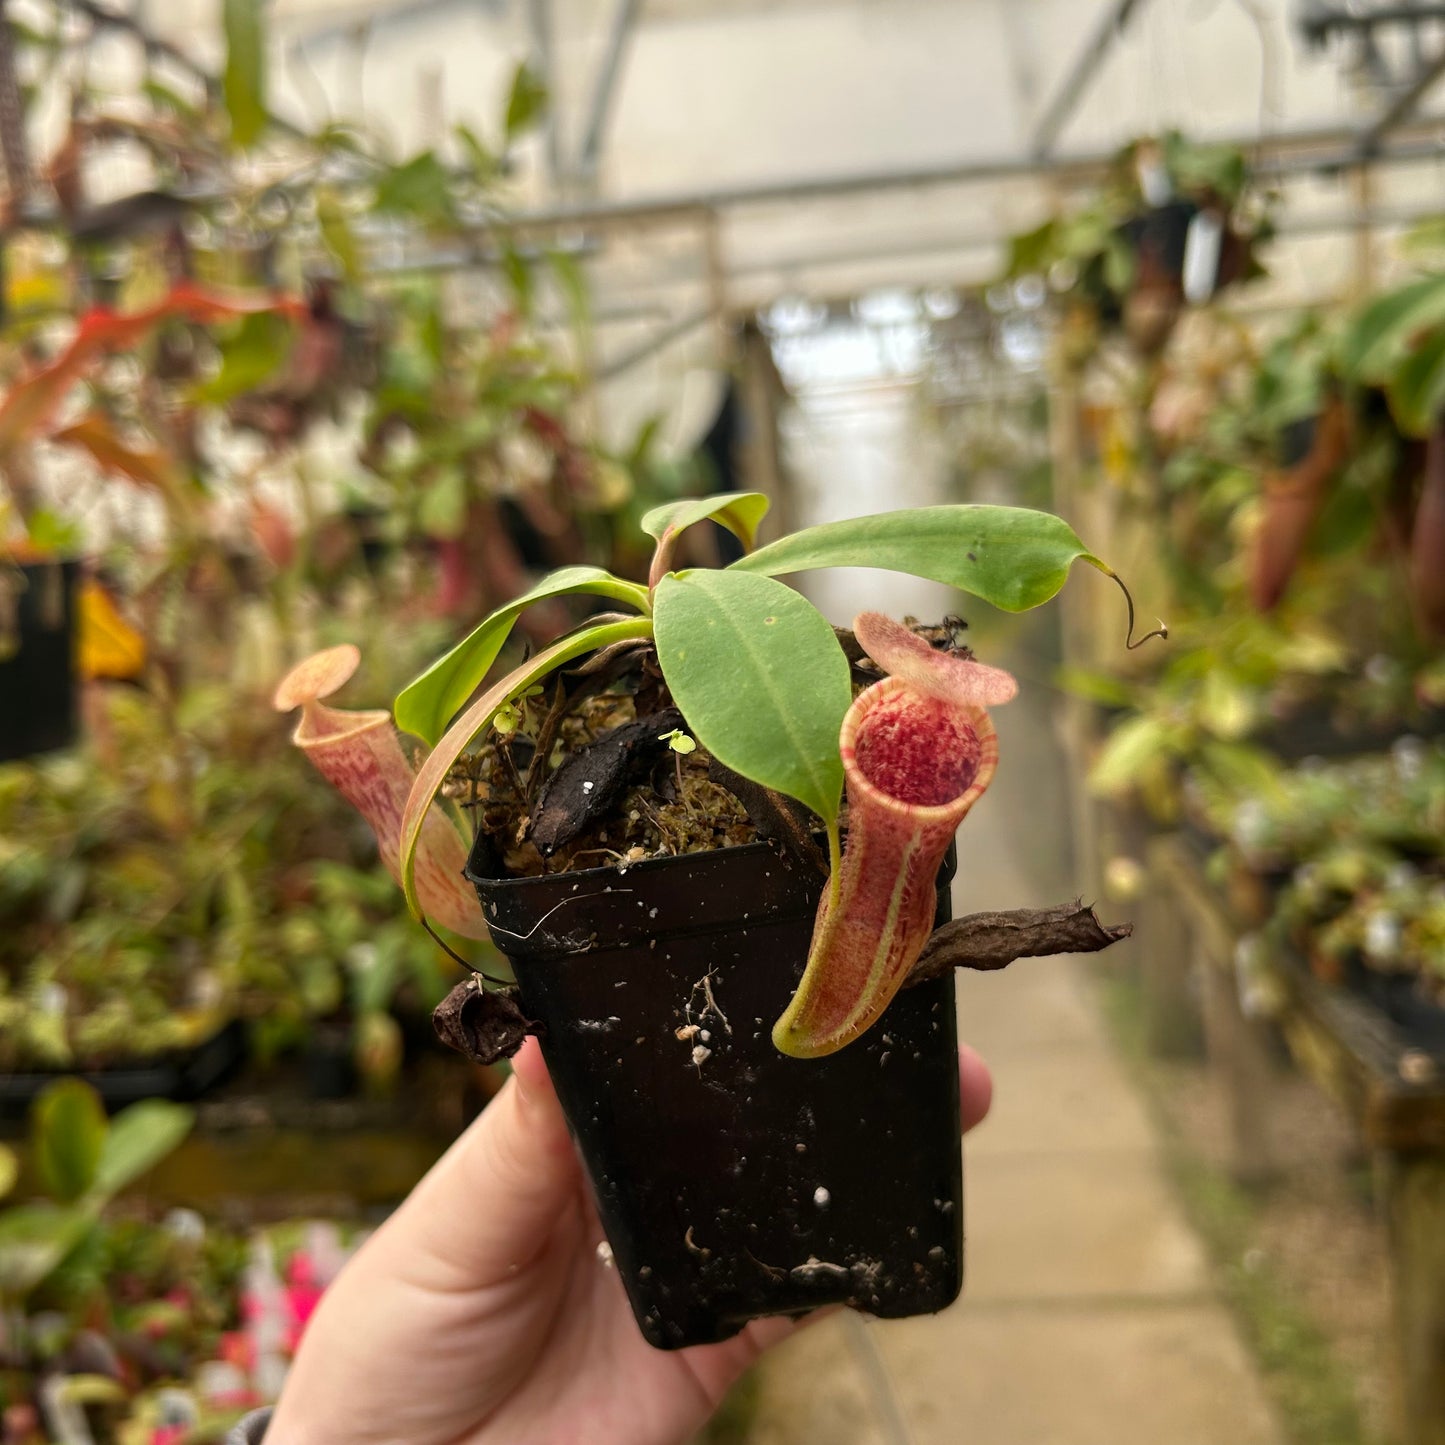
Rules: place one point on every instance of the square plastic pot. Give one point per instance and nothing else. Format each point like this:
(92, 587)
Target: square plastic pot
(39, 695)
(734, 1182)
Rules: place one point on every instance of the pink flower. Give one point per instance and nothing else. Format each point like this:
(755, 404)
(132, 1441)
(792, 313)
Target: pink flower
(303, 1293)
(918, 751)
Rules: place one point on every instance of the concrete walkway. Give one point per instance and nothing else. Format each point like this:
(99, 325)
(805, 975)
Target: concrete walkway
(1089, 1316)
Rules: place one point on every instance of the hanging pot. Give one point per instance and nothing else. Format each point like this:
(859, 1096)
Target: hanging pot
(734, 1182)
(39, 696)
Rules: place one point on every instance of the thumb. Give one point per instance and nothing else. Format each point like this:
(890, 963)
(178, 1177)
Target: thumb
(490, 1204)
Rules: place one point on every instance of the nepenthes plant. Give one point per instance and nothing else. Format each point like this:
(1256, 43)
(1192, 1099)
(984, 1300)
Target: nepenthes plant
(762, 682)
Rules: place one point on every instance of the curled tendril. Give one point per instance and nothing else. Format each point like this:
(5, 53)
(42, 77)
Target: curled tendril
(1130, 642)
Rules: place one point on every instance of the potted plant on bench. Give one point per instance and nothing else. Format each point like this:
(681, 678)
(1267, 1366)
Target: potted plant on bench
(750, 1026)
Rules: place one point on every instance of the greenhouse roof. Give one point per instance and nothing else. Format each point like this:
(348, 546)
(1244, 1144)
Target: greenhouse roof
(708, 157)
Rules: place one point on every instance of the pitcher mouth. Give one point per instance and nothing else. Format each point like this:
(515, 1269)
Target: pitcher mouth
(320, 724)
(914, 763)
(907, 752)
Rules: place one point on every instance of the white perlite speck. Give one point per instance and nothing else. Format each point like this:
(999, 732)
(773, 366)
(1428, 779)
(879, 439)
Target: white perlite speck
(821, 1197)
(604, 1254)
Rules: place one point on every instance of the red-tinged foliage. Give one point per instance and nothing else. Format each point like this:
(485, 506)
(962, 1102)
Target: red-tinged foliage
(1293, 500)
(29, 406)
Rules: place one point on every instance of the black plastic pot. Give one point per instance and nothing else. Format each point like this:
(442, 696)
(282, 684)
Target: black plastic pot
(330, 1061)
(368, 527)
(1158, 238)
(39, 697)
(734, 1182)
(186, 1074)
(1420, 1020)
(1296, 440)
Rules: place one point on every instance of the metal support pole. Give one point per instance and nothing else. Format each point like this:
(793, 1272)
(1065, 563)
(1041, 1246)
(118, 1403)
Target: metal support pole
(598, 113)
(539, 12)
(717, 279)
(1317, 26)
(1283, 154)
(659, 342)
(1362, 188)
(1076, 82)
(103, 18)
(1401, 108)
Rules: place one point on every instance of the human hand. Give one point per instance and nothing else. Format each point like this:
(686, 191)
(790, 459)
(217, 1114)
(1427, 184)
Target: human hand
(479, 1313)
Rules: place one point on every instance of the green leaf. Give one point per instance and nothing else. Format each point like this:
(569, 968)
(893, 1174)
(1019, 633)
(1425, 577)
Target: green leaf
(49, 533)
(420, 188)
(1033, 252)
(740, 512)
(442, 511)
(34, 1238)
(519, 278)
(573, 285)
(1135, 745)
(1098, 687)
(458, 737)
(426, 704)
(1382, 335)
(1242, 769)
(140, 1137)
(163, 97)
(482, 162)
(252, 355)
(1119, 266)
(526, 102)
(1012, 557)
(67, 1132)
(1417, 390)
(86, 1390)
(639, 454)
(1226, 707)
(760, 679)
(1427, 237)
(335, 226)
(1198, 169)
(9, 1170)
(244, 83)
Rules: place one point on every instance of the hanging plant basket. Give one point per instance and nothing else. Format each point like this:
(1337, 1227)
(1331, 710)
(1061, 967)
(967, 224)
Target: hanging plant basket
(40, 712)
(732, 1181)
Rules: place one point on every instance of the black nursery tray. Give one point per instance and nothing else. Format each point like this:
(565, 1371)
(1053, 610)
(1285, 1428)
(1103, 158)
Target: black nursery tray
(1388, 1074)
(184, 1075)
(1315, 733)
(1373, 1055)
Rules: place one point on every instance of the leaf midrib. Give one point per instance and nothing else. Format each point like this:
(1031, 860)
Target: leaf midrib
(755, 654)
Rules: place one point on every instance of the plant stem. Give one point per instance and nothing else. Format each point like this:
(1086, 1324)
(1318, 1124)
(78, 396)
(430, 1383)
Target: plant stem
(504, 751)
